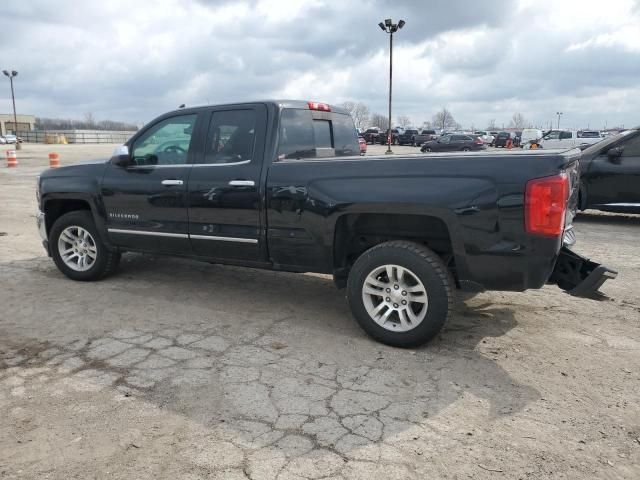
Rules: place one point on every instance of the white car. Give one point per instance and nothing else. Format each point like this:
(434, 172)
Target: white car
(566, 139)
(2, 140)
(529, 137)
(486, 136)
(10, 139)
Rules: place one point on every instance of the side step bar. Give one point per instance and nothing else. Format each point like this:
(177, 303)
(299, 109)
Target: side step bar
(578, 275)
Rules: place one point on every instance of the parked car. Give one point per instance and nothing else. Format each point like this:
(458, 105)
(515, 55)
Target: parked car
(530, 137)
(371, 135)
(486, 136)
(426, 135)
(610, 174)
(408, 137)
(9, 138)
(363, 145)
(399, 232)
(566, 139)
(2, 140)
(502, 138)
(517, 138)
(450, 143)
(383, 137)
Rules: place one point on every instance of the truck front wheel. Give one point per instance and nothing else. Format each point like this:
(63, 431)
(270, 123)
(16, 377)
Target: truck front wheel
(77, 249)
(400, 293)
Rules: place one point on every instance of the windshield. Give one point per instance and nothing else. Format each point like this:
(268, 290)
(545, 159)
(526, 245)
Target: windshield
(601, 146)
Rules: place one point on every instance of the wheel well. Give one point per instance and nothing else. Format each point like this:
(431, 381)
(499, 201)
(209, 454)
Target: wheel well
(356, 233)
(54, 209)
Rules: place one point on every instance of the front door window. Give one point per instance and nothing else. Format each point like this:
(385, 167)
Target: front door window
(166, 143)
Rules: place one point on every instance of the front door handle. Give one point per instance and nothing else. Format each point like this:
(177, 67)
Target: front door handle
(172, 182)
(242, 183)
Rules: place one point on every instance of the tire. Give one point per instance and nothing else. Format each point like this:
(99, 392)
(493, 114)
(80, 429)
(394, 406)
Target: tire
(421, 270)
(74, 224)
(466, 149)
(428, 149)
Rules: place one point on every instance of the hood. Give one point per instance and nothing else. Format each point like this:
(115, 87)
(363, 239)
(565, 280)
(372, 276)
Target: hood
(84, 168)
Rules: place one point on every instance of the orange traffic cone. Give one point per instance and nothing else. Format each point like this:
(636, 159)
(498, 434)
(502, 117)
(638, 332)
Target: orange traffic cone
(12, 159)
(54, 161)
(509, 144)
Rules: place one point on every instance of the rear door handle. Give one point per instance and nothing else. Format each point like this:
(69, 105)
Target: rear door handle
(242, 183)
(172, 182)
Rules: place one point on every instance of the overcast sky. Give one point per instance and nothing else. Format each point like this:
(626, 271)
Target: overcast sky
(132, 60)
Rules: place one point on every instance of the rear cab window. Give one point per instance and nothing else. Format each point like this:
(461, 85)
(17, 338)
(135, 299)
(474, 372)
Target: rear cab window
(316, 134)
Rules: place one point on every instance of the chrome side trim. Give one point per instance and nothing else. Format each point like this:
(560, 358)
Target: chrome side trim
(183, 235)
(243, 162)
(224, 239)
(143, 232)
(135, 167)
(147, 167)
(622, 204)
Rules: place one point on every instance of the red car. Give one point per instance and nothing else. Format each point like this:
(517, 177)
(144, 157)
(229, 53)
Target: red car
(363, 145)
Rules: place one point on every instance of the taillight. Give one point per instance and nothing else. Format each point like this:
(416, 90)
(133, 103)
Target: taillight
(478, 141)
(545, 205)
(323, 107)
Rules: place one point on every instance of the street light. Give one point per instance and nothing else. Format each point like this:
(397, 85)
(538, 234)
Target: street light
(559, 115)
(389, 27)
(12, 74)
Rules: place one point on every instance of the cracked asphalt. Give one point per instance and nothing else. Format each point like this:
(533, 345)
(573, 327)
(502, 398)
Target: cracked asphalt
(178, 369)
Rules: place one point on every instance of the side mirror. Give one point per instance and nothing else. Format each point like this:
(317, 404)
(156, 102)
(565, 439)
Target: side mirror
(615, 153)
(121, 157)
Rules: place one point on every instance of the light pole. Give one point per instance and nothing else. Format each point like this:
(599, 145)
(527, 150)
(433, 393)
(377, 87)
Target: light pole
(389, 27)
(12, 74)
(559, 115)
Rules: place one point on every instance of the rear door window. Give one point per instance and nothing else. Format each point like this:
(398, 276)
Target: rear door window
(303, 136)
(231, 137)
(565, 135)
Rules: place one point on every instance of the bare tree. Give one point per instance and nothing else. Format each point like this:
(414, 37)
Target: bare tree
(491, 125)
(380, 121)
(359, 112)
(427, 124)
(89, 119)
(518, 121)
(404, 121)
(69, 124)
(444, 120)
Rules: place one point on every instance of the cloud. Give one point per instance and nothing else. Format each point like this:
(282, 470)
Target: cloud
(483, 60)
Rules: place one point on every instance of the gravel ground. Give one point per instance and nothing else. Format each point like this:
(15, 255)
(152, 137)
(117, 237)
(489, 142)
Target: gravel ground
(177, 369)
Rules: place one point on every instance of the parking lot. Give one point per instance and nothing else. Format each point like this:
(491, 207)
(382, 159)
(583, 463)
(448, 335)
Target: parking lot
(177, 369)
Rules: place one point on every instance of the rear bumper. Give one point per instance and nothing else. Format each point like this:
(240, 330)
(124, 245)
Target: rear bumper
(578, 275)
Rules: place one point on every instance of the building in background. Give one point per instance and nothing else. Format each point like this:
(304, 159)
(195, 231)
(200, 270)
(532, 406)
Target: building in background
(25, 123)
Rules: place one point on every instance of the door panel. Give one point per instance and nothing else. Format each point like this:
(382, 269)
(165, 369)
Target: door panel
(611, 181)
(145, 202)
(224, 188)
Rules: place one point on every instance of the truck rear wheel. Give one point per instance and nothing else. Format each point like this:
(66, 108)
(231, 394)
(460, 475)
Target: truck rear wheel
(400, 293)
(77, 249)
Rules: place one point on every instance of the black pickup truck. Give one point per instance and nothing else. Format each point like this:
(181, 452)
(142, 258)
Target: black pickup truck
(280, 185)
